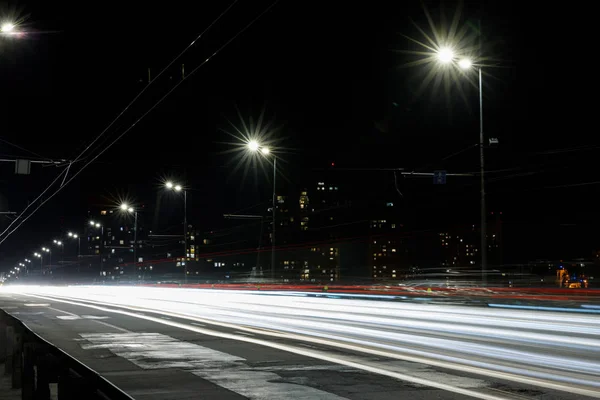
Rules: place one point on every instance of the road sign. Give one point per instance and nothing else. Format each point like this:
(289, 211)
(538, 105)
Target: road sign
(439, 177)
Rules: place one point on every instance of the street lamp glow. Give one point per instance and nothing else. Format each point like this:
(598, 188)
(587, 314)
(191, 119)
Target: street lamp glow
(92, 223)
(265, 150)
(178, 188)
(124, 206)
(130, 209)
(169, 185)
(55, 241)
(465, 63)
(75, 235)
(97, 225)
(445, 55)
(253, 145)
(7, 27)
(59, 243)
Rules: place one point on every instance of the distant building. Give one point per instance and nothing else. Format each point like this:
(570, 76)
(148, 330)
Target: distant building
(109, 241)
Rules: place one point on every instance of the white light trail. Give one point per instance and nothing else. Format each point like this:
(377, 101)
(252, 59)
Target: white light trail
(552, 349)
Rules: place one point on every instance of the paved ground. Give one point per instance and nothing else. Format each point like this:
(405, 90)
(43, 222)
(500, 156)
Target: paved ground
(168, 358)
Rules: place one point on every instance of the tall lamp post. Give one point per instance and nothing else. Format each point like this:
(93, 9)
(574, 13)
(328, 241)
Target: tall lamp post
(254, 147)
(448, 56)
(47, 250)
(125, 207)
(97, 225)
(178, 188)
(76, 236)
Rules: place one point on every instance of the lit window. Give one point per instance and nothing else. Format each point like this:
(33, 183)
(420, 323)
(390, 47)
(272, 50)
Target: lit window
(103, 212)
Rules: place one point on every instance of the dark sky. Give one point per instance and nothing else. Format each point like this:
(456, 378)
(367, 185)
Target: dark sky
(332, 76)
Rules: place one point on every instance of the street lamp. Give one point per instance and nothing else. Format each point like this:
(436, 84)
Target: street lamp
(447, 56)
(254, 146)
(126, 208)
(178, 188)
(41, 257)
(76, 236)
(7, 27)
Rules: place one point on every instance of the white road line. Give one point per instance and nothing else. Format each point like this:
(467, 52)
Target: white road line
(243, 333)
(63, 311)
(326, 357)
(197, 324)
(112, 326)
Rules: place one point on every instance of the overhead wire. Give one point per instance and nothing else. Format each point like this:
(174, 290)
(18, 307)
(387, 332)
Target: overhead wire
(140, 118)
(153, 80)
(25, 150)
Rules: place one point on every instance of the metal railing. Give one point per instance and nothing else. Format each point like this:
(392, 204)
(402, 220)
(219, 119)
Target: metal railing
(38, 368)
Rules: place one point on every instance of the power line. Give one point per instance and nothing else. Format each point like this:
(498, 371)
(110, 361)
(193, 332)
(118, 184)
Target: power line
(25, 150)
(152, 81)
(143, 116)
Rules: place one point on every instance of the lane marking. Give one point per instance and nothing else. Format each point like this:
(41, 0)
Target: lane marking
(63, 311)
(197, 324)
(112, 326)
(243, 333)
(68, 317)
(341, 361)
(36, 305)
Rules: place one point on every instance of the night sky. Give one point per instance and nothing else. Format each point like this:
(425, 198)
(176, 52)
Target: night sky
(334, 78)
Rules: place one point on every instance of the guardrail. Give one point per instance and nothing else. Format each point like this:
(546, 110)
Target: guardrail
(43, 371)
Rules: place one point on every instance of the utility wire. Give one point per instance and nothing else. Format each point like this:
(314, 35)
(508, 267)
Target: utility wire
(150, 83)
(143, 115)
(25, 150)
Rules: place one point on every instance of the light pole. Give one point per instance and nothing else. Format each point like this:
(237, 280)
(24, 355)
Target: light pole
(41, 257)
(97, 225)
(447, 56)
(76, 236)
(254, 146)
(125, 207)
(47, 250)
(179, 188)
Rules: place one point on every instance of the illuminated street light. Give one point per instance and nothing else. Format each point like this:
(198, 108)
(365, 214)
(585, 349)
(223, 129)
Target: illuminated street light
(76, 236)
(253, 145)
(125, 207)
(445, 55)
(465, 63)
(179, 188)
(7, 27)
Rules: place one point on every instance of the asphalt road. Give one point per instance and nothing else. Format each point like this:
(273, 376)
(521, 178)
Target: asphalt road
(182, 344)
